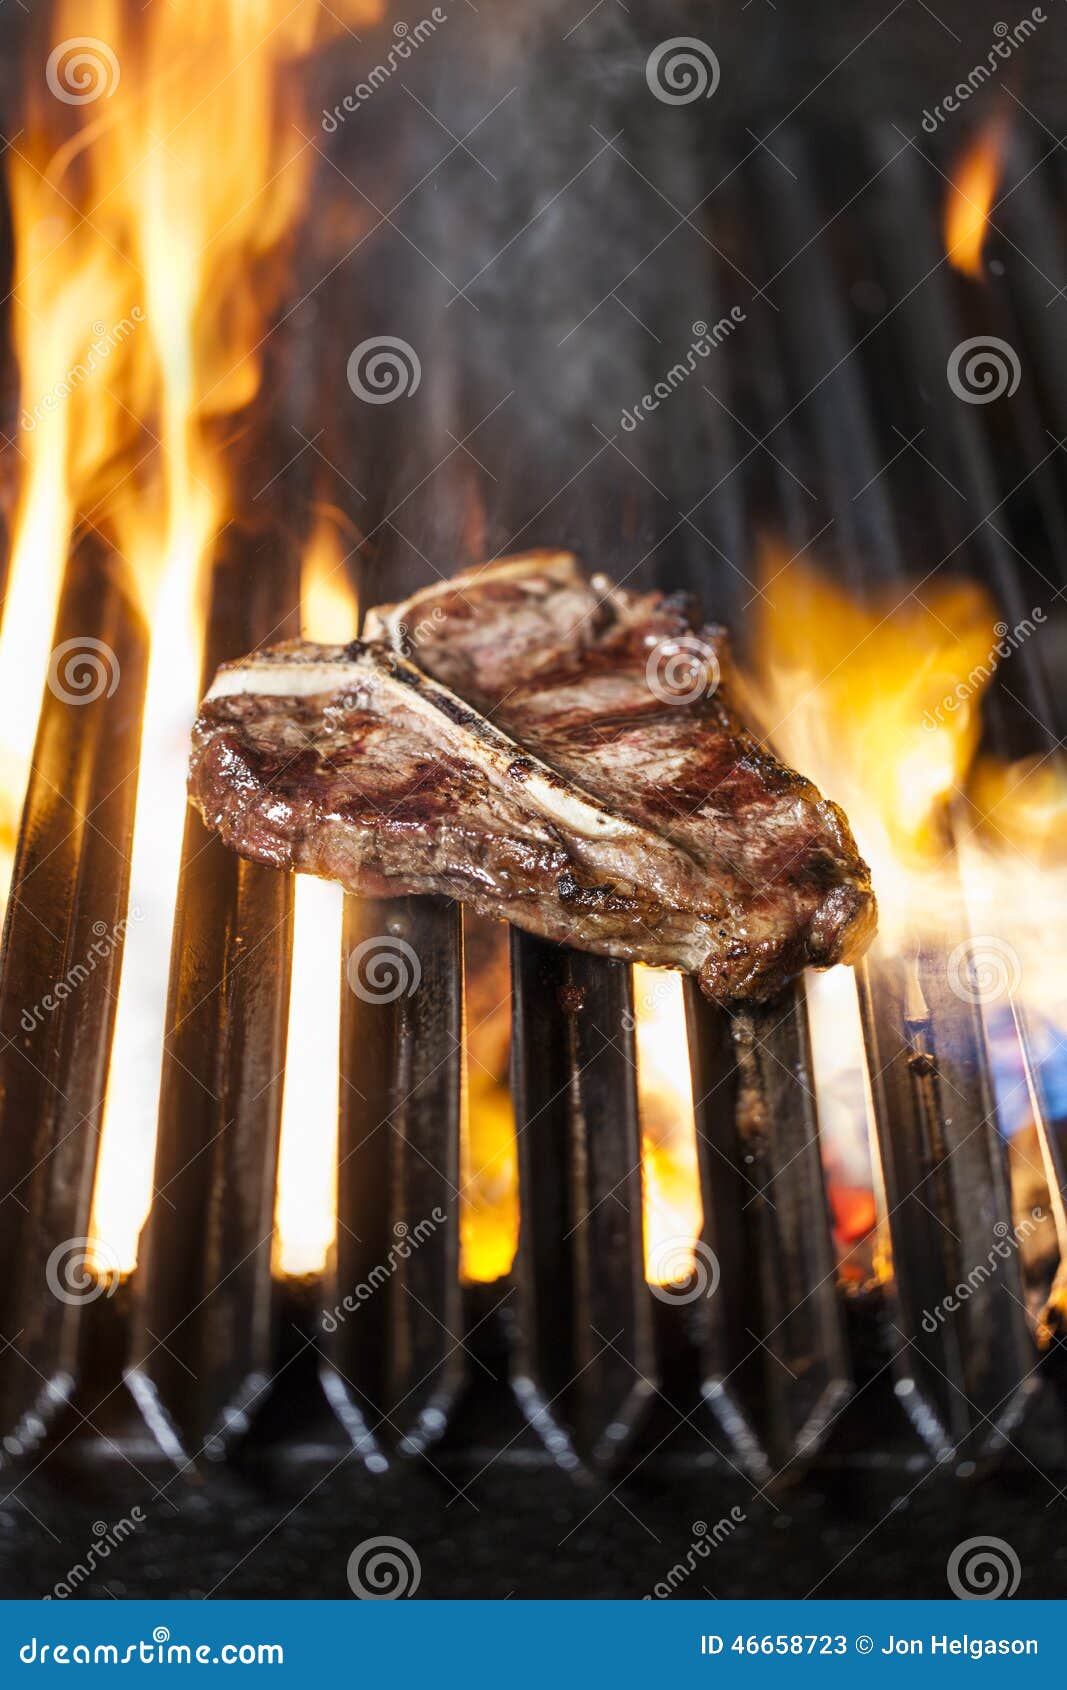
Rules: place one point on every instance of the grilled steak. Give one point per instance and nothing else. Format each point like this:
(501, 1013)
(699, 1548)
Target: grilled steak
(556, 755)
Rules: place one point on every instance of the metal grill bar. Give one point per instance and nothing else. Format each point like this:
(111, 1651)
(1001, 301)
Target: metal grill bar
(62, 952)
(202, 1338)
(395, 1366)
(774, 1365)
(586, 1360)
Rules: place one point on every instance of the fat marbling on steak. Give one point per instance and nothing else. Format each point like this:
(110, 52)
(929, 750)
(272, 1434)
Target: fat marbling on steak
(550, 749)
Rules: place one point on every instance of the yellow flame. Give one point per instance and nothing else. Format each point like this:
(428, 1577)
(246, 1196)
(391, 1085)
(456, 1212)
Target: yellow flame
(878, 704)
(970, 198)
(305, 1213)
(151, 203)
(673, 1215)
(489, 1207)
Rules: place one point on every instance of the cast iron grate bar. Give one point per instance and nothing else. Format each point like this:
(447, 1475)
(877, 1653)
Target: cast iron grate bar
(202, 1331)
(62, 953)
(774, 1364)
(394, 1362)
(585, 1369)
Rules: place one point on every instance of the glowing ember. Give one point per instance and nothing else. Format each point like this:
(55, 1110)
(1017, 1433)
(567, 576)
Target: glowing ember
(673, 1215)
(970, 198)
(839, 1068)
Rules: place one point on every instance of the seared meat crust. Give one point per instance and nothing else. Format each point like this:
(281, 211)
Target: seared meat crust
(528, 762)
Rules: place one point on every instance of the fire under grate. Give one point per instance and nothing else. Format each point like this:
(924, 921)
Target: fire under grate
(827, 421)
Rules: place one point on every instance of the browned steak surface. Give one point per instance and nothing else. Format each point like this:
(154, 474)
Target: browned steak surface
(534, 757)
(633, 699)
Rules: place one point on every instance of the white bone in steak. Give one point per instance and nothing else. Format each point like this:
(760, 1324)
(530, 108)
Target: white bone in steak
(552, 750)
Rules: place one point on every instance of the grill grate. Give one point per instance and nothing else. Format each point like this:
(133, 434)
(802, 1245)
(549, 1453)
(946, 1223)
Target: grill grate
(823, 422)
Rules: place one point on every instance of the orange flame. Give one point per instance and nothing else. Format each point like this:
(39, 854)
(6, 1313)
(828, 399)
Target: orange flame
(153, 187)
(879, 705)
(673, 1214)
(970, 199)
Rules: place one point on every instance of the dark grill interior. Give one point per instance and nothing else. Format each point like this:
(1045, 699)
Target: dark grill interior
(560, 1431)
